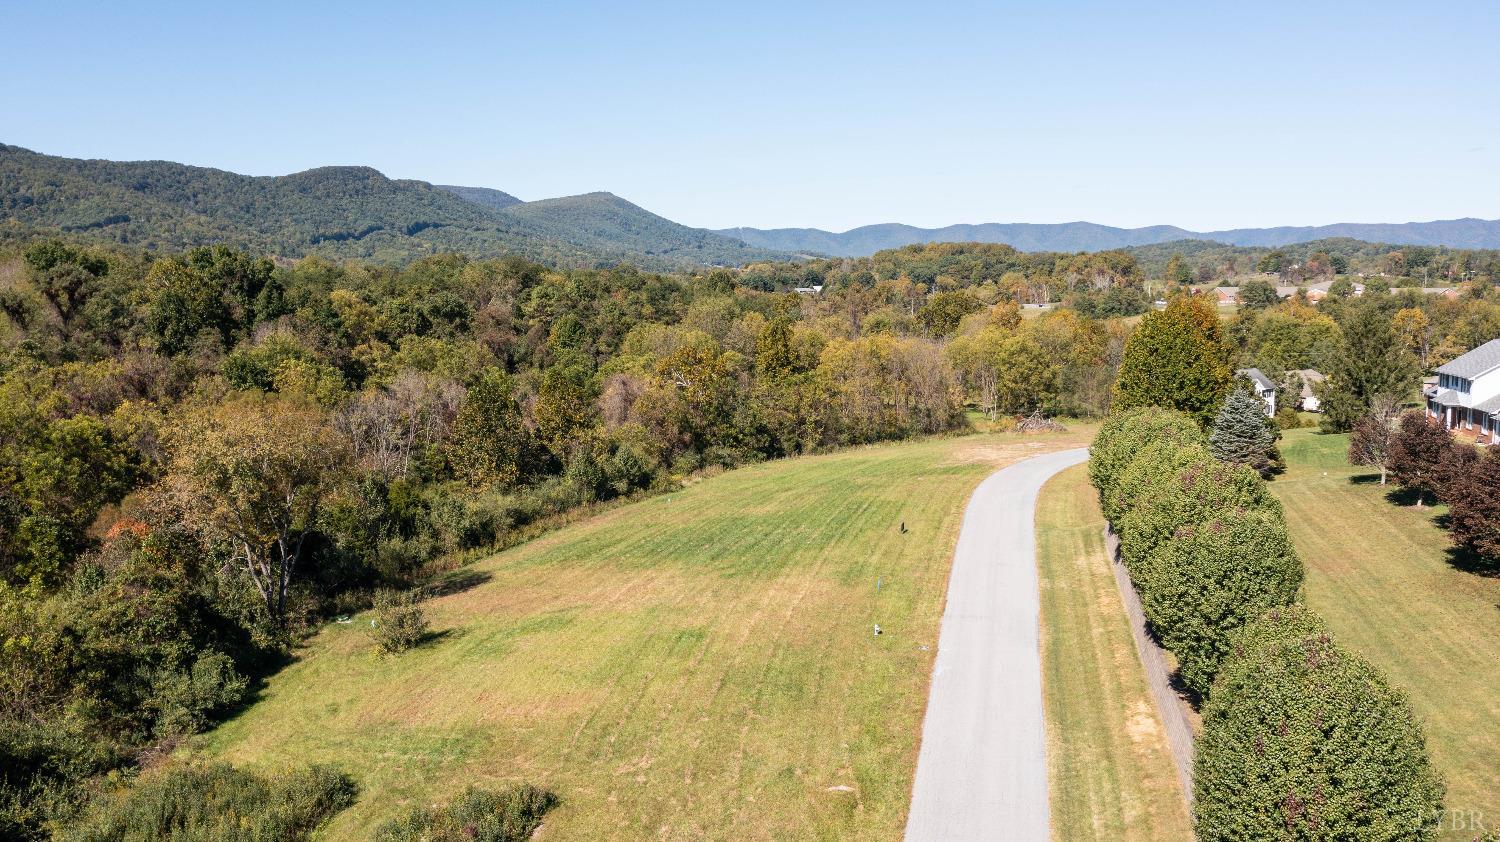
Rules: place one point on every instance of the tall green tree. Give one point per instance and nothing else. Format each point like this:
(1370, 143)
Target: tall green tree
(1176, 359)
(1373, 363)
(489, 444)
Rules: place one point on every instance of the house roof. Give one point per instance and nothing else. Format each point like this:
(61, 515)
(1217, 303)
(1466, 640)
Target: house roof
(1258, 376)
(1448, 397)
(1483, 359)
(1309, 377)
(1491, 406)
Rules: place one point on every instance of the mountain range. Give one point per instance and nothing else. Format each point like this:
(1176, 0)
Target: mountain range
(339, 212)
(1088, 236)
(352, 211)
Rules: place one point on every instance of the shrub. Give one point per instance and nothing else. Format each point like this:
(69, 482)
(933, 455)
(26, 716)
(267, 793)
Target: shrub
(400, 622)
(475, 816)
(1303, 740)
(1186, 495)
(1212, 578)
(216, 802)
(1154, 464)
(1121, 438)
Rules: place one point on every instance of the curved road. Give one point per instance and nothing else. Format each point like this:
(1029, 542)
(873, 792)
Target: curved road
(982, 770)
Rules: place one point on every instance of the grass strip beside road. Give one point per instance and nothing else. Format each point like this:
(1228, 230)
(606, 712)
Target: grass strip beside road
(1111, 773)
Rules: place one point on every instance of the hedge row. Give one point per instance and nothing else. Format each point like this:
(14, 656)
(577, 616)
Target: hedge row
(1301, 739)
(1204, 541)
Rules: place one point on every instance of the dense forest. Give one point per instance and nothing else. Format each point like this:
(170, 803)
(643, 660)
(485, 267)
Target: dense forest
(336, 212)
(1202, 261)
(205, 454)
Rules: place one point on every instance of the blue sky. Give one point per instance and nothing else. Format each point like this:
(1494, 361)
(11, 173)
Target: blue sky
(800, 114)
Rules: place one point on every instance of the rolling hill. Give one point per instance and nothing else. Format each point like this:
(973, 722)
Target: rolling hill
(1087, 236)
(338, 212)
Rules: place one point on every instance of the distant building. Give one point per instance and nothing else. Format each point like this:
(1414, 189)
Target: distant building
(1262, 387)
(1227, 295)
(1310, 379)
(1466, 397)
(817, 290)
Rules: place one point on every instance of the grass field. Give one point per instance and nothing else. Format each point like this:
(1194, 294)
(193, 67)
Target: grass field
(1110, 770)
(1380, 574)
(698, 665)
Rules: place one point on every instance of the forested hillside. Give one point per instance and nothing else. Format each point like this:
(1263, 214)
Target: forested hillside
(336, 212)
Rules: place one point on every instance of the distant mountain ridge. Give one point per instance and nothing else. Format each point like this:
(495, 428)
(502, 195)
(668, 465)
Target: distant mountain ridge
(1088, 236)
(339, 212)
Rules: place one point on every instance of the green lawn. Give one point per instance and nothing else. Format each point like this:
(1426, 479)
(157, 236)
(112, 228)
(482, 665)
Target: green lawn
(698, 665)
(1380, 574)
(1110, 771)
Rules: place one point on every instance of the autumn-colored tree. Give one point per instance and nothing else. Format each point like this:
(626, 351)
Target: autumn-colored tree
(1176, 359)
(253, 475)
(1177, 271)
(1417, 453)
(1476, 507)
(1415, 331)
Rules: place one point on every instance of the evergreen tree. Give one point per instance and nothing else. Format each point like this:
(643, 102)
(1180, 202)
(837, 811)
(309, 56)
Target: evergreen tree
(1242, 433)
(1176, 359)
(1373, 363)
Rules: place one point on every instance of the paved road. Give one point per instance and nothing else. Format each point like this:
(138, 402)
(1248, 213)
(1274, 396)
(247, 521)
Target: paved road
(982, 770)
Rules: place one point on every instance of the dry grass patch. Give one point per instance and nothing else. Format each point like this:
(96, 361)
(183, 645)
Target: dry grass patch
(1110, 770)
(697, 665)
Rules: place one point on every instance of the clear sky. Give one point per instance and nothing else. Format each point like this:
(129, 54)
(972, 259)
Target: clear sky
(802, 114)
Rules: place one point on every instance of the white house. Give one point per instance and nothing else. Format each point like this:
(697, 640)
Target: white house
(1466, 397)
(1262, 386)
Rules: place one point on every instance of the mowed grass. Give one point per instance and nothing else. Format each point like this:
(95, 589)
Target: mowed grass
(699, 665)
(1380, 574)
(1111, 774)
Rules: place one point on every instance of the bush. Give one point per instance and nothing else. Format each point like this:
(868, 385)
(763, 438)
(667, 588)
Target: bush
(1121, 438)
(475, 816)
(1169, 499)
(399, 621)
(214, 803)
(1153, 464)
(1212, 578)
(1303, 740)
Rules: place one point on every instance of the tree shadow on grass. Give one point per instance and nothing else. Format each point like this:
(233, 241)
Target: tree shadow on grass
(430, 639)
(1398, 496)
(463, 580)
(1468, 561)
(1366, 479)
